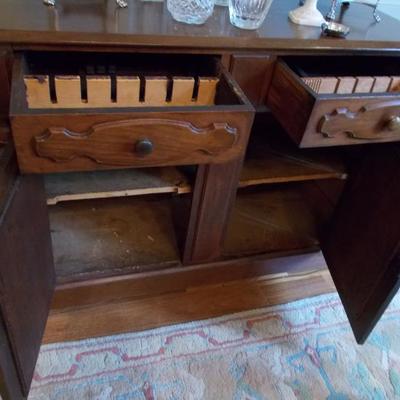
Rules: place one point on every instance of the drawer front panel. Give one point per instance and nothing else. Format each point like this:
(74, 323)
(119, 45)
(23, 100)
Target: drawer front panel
(317, 120)
(72, 142)
(353, 121)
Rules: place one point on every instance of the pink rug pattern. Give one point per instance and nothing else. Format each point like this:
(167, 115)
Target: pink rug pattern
(302, 350)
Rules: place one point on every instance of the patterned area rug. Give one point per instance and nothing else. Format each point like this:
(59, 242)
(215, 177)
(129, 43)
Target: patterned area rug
(302, 350)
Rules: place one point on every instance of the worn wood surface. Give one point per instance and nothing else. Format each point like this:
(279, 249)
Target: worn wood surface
(156, 283)
(271, 160)
(96, 238)
(27, 272)
(182, 306)
(60, 141)
(5, 133)
(213, 196)
(99, 91)
(362, 246)
(291, 101)
(222, 141)
(265, 163)
(253, 73)
(8, 172)
(10, 385)
(25, 22)
(343, 118)
(5, 84)
(268, 220)
(117, 183)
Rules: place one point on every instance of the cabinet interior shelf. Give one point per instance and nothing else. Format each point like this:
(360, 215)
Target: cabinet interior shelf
(265, 166)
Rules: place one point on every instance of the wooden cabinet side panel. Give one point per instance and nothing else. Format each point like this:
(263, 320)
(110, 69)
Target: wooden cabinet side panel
(253, 73)
(362, 246)
(27, 277)
(10, 386)
(290, 103)
(4, 82)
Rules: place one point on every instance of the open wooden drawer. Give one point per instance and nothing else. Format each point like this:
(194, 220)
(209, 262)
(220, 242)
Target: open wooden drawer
(337, 100)
(98, 111)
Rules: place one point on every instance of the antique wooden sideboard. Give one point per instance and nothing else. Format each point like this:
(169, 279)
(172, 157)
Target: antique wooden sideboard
(139, 155)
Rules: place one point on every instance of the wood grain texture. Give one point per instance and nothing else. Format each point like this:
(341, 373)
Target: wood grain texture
(27, 273)
(375, 121)
(149, 26)
(38, 91)
(345, 118)
(5, 83)
(10, 385)
(346, 85)
(8, 172)
(155, 283)
(362, 246)
(128, 90)
(98, 91)
(5, 132)
(381, 84)
(104, 141)
(253, 73)
(291, 101)
(183, 306)
(74, 186)
(115, 143)
(156, 90)
(182, 91)
(68, 93)
(97, 238)
(213, 196)
(274, 219)
(267, 162)
(207, 90)
(263, 165)
(364, 84)
(322, 85)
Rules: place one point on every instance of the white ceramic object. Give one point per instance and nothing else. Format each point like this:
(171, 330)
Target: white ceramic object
(308, 14)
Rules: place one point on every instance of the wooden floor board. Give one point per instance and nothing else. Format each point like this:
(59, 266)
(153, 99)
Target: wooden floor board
(183, 306)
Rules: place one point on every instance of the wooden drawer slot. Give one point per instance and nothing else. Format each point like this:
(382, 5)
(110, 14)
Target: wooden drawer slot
(128, 91)
(68, 91)
(143, 110)
(38, 91)
(182, 91)
(337, 100)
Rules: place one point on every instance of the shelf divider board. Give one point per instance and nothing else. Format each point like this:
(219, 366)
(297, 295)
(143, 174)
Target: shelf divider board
(267, 168)
(100, 238)
(275, 167)
(116, 183)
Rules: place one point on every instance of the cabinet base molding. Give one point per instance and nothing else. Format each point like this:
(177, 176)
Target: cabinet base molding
(182, 294)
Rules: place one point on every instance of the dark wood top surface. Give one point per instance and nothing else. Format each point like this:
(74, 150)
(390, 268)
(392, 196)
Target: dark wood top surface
(99, 22)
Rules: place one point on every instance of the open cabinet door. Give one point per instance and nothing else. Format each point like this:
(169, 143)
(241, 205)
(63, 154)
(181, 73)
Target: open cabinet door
(27, 277)
(362, 247)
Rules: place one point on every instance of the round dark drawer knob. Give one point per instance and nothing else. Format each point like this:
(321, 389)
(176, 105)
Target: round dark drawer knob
(143, 147)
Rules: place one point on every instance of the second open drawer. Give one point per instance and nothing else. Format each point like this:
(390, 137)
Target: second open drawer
(114, 111)
(337, 100)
